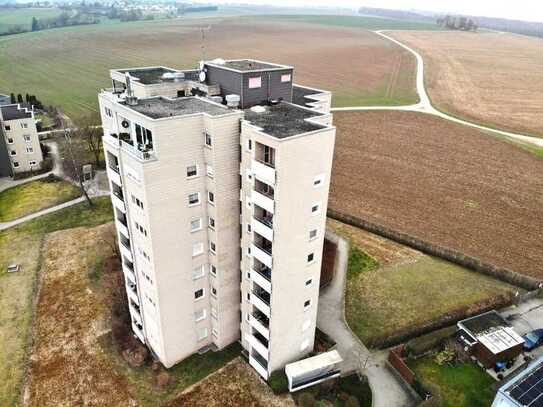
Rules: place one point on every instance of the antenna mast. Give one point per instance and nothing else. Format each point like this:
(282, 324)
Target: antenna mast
(203, 31)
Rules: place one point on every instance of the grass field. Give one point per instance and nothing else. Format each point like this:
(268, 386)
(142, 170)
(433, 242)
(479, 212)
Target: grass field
(441, 182)
(21, 244)
(397, 288)
(357, 65)
(490, 78)
(463, 385)
(34, 196)
(23, 17)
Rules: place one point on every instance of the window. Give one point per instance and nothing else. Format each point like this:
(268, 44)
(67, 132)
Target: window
(202, 334)
(316, 209)
(255, 82)
(213, 291)
(192, 171)
(249, 251)
(208, 140)
(140, 229)
(27, 138)
(214, 332)
(32, 163)
(13, 152)
(306, 325)
(213, 270)
(197, 249)
(307, 305)
(200, 315)
(249, 228)
(212, 247)
(211, 223)
(15, 164)
(7, 128)
(198, 272)
(309, 282)
(10, 140)
(249, 144)
(108, 111)
(249, 176)
(210, 171)
(137, 202)
(194, 199)
(214, 312)
(318, 181)
(198, 294)
(195, 225)
(29, 150)
(210, 197)
(313, 234)
(310, 258)
(24, 125)
(286, 77)
(304, 345)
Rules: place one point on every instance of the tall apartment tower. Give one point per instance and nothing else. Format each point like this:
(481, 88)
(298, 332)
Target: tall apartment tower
(219, 180)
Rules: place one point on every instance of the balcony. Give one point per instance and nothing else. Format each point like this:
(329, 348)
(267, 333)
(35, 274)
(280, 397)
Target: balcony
(135, 312)
(261, 304)
(262, 254)
(138, 330)
(261, 275)
(263, 226)
(258, 343)
(128, 269)
(122, 225)
(131, 291)
(126, 252)
(113, 174)
(118, 200)
(259, 364)
(263, 200)
(261, 323)
(263, 171)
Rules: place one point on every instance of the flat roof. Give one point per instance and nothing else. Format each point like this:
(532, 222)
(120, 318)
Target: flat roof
(153, 75)
(283, 120)
(299, 95)
(527, 387)
(491, 330)
(14, 112)
(160, 107)
(246, 65)
(311, 364)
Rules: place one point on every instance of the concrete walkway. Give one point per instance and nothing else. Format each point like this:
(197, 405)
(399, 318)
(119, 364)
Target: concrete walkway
(7, 182)
(6, 225)
(425, 105)
(387, 390)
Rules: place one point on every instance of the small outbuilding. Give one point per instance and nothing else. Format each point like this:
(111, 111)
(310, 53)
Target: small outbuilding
(313, 370)
(490, 338)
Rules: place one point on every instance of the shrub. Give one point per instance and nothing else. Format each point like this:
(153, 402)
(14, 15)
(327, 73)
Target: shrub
(306, 400)
(278, 382)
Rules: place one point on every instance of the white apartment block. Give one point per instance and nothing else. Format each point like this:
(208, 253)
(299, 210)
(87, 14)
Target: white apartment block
(220, 210)
(20, 150)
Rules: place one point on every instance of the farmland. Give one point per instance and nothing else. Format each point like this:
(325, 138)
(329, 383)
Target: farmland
(402, 289)
(441, 182)
(23, 17)
(490, 78)
(68, 66)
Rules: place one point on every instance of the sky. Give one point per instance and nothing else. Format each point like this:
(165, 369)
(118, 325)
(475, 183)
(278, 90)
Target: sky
(530, 10)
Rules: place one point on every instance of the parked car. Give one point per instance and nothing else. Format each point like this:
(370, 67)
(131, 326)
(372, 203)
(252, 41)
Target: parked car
(533, 339)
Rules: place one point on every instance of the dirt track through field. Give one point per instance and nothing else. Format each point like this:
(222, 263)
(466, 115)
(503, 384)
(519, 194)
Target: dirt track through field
(442, 182)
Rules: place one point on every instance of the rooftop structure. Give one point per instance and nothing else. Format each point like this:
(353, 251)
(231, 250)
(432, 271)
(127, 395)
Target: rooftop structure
(213, 195)
(313, 370)
(524, 389)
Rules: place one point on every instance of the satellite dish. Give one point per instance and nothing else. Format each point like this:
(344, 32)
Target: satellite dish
(125, 124)
(202, 65)
(202, 76)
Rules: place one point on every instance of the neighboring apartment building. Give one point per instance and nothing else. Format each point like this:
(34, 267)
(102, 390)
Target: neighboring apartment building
(20, 150)
(220, 209)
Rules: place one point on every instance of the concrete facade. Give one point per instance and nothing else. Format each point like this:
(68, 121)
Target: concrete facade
(196, 187)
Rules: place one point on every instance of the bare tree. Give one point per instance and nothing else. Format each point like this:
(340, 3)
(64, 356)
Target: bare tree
(76, 157)
(89, 131)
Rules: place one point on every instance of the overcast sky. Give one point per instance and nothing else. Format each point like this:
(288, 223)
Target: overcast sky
(531, 10)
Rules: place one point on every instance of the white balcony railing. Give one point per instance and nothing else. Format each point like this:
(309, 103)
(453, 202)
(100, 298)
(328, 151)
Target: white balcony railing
(138, 332)
(256, 345)
(126, 252)
(259, 326)
(129, 273)
(261, 280)
(113, 176)
(264, 201)
(262, 229)
(122, 229)
(261, 255)
(118, 203)
(261, 305)
(261, 370)
(132, 295)
(135, 314)
(263, 172)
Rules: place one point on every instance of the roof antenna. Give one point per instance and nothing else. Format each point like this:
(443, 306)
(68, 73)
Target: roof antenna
(131, 100)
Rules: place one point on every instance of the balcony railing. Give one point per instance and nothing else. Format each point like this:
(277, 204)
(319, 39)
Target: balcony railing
(143, 152)
(264, 271)
(118, 194)
(266, 163)
(260, 360)
(122, 220)
(268, 250)
(126, 243)
(262, 295)
(263, 319)
(265, 220)
(114, 168)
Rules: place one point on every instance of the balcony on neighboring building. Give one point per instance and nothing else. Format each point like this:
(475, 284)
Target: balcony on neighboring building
(263, 223)
(258, 343)
(128, 268)
(261, 300)
(137, 328)
(259, 364)
(262, 249)
(261, 274)
(132, 291)
(117, 197)
(122, 223)
(263, 196)
(260, 322)
(135, 311)
(124, 245)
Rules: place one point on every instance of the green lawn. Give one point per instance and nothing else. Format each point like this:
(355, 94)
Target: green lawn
(463, 385)
(21, 245)
(34, 196)
(381, 301)
(23, 16)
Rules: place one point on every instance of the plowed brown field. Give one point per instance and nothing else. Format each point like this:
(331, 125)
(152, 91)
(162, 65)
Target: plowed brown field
(442, 182)
(490, 78)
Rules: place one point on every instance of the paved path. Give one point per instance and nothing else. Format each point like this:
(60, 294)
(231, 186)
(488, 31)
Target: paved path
(387, 390)
(425, 105)
(7, 182)
(6, 225)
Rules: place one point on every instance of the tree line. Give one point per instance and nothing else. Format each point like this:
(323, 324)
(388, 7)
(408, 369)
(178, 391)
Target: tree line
(63, 20)
(32, 99)
(457, 23)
